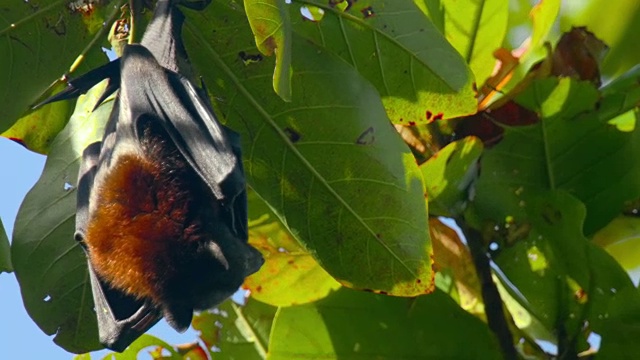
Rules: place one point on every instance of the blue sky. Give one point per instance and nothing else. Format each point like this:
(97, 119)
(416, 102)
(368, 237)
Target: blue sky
(20, 336)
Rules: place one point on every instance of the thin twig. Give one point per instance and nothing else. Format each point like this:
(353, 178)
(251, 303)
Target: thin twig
(492, 301)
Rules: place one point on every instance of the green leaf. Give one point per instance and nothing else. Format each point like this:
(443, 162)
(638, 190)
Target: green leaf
(49, 264)
(37, 129)
(271, 26)
(397, 48)
(555, 273)
(40, 41)
(287, 265)
(543, 15)
(448, 175)
(357, 325)
(476, 28)
(622, 342)
(621, 239)
(5, 251)
(242, 331)
(621, 95)
(572, 148)
(143, 342)
(329, 164)
(621, 327)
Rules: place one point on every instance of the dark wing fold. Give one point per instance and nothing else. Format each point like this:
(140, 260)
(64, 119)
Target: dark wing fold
(187, 118)
(121, 318)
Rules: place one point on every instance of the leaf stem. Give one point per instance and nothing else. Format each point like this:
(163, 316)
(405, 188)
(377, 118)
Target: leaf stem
(257, 343)
(490, 296)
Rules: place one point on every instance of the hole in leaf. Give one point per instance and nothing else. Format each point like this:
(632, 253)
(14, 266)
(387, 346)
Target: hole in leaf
(537, 260)
(312, 13)
(343, 5)
(293, 135)
(367, 137)
(367, 12)
(594, 340)
(249, 58)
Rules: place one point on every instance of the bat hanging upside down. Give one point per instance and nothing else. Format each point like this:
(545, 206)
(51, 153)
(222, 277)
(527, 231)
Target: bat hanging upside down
(161, 199)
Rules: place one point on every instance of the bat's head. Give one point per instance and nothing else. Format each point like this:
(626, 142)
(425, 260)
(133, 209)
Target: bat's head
(212, 275)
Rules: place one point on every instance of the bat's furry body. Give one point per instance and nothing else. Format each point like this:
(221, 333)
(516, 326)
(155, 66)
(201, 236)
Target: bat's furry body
(162, 199)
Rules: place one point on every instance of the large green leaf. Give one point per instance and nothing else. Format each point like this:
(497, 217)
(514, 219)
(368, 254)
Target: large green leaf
(48, 262)
(356, 325)
(397, 48)
(557, 275)
(329, 163)
(5, 251)
(476, 28)
(572, 148)
(271, 27)
(39, 41)
(287, 265)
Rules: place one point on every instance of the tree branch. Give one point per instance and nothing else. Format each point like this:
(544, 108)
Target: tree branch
(490, 296)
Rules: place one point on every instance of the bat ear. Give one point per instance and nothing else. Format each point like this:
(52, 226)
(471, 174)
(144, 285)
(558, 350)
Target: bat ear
(178, 316)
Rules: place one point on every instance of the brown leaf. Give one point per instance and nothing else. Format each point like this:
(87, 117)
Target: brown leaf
(450, 253)
(578, 55)
(486, 124)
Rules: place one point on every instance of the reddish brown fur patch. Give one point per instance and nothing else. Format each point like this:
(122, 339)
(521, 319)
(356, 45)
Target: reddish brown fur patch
(148, 222)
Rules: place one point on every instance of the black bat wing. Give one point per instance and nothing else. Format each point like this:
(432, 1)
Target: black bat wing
(170, 99)
(121, 318)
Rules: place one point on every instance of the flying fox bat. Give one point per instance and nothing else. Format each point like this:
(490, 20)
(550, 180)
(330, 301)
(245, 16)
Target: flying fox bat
(161, 209)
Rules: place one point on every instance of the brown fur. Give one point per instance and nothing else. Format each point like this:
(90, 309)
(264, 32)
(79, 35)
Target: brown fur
(147, 233)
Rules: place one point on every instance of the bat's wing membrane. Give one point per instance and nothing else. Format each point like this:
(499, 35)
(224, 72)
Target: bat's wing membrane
(121, 318)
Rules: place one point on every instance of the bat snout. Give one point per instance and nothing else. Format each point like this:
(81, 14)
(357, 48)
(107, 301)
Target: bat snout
(253, 261)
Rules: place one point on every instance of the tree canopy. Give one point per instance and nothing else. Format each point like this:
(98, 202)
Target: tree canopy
(428, 178)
